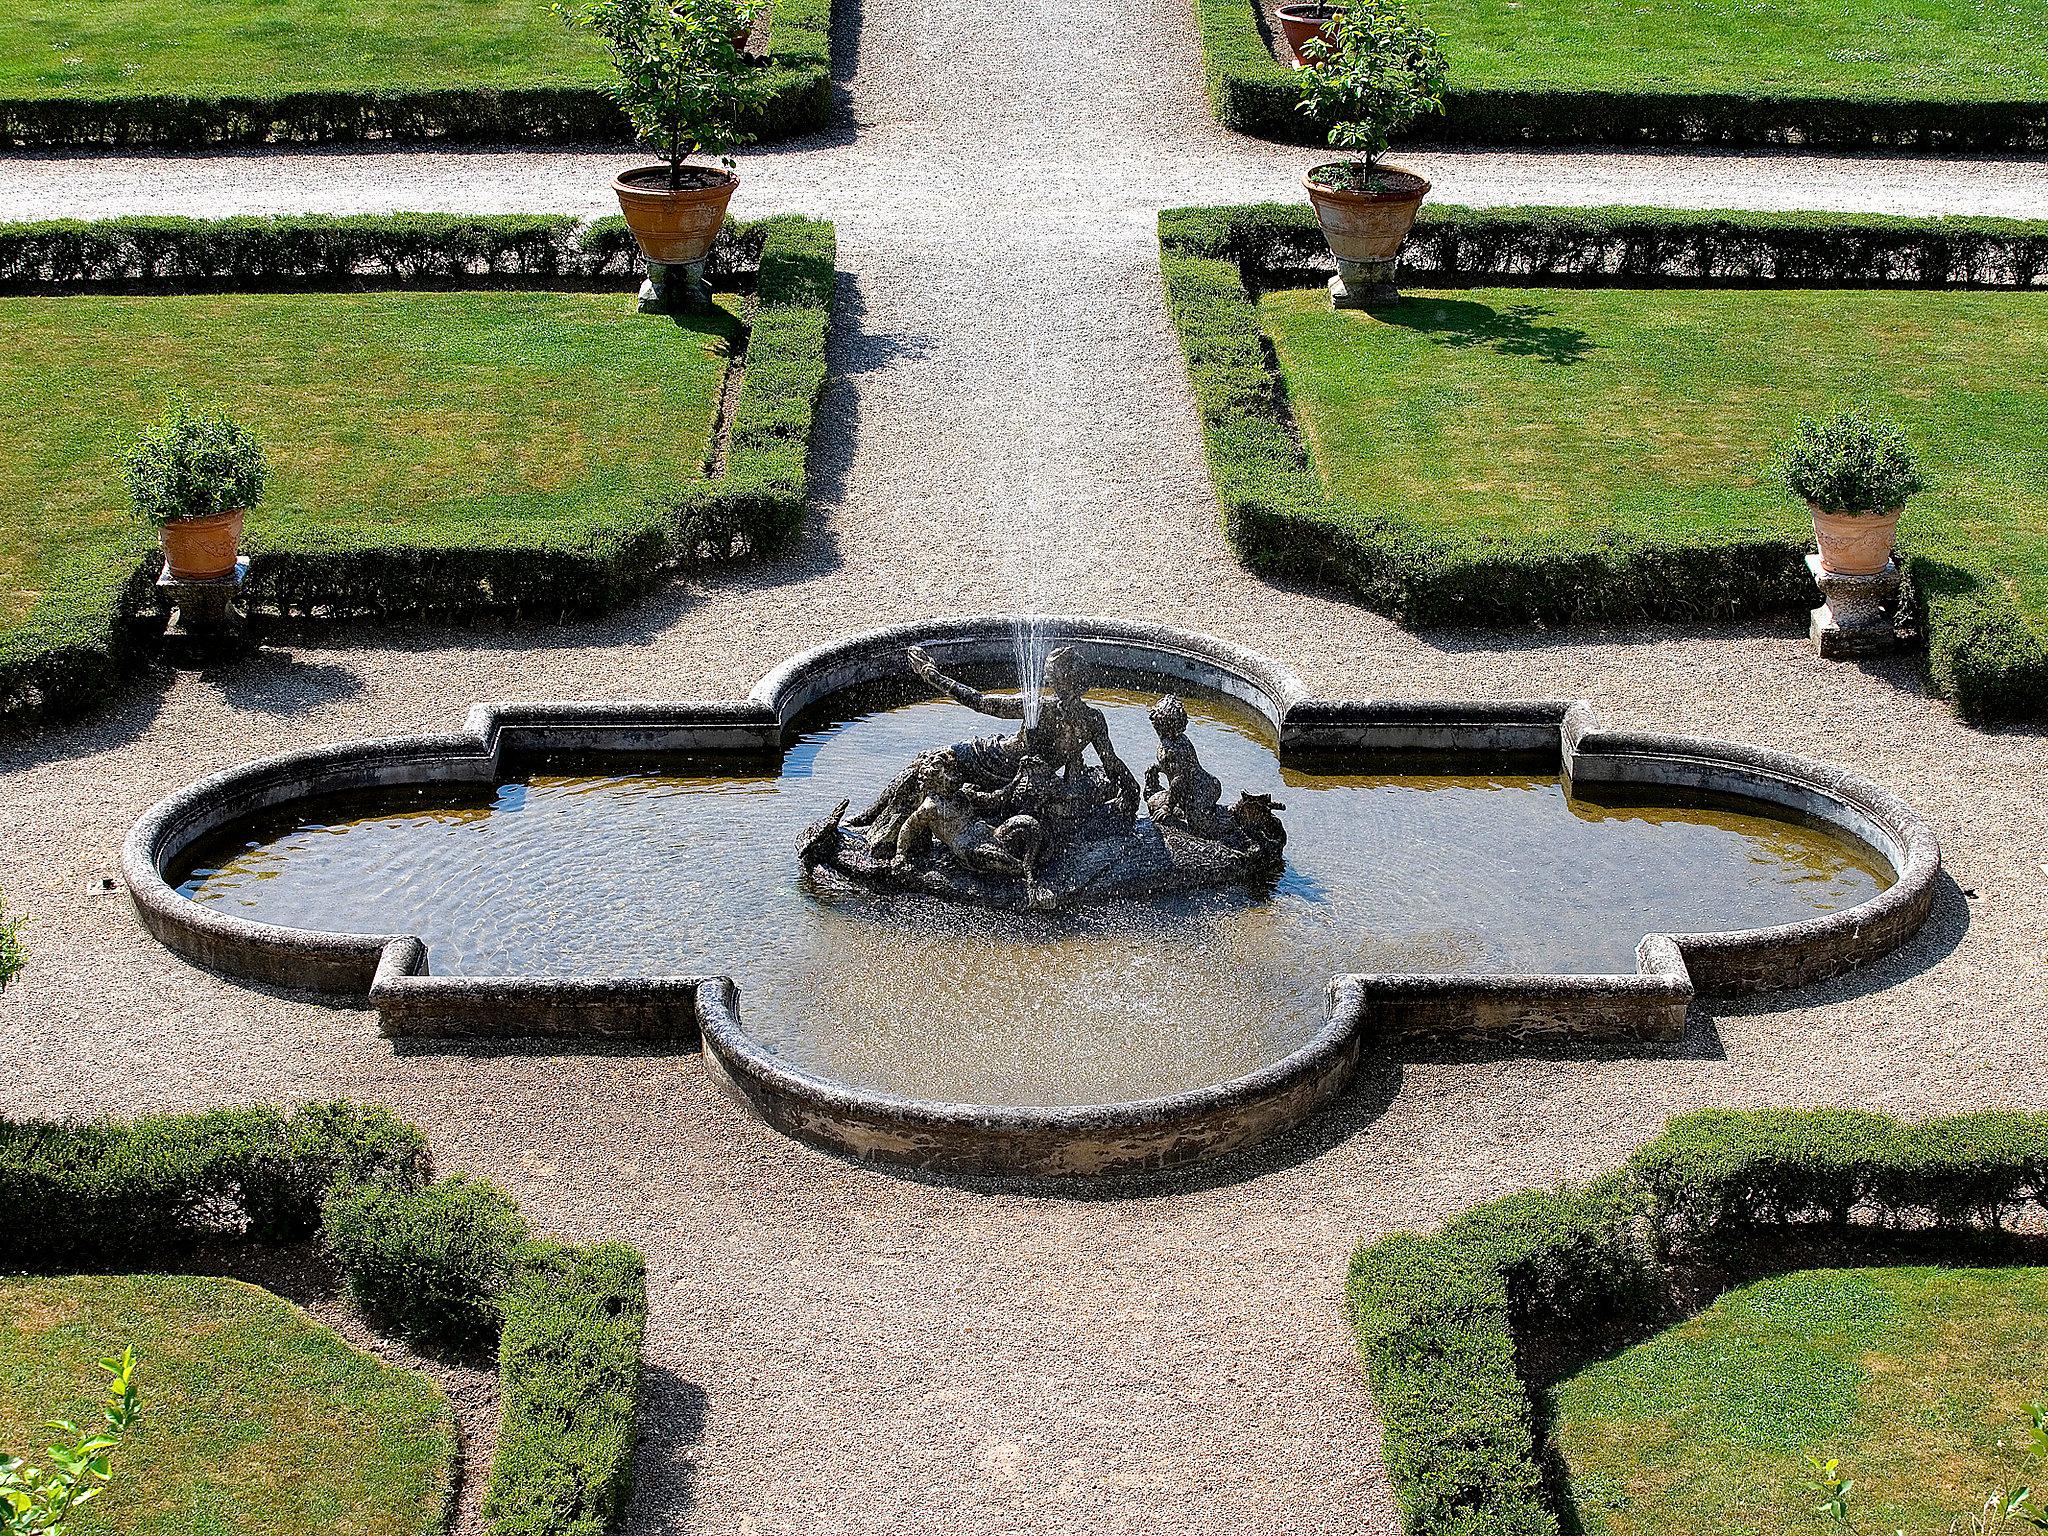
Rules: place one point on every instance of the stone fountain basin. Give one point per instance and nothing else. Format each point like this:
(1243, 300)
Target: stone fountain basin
(1647, 1004)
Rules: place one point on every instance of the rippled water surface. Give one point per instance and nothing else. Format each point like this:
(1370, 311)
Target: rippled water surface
(674, 871)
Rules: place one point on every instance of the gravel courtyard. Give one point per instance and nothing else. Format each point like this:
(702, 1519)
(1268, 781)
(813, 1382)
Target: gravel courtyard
(836, 1351)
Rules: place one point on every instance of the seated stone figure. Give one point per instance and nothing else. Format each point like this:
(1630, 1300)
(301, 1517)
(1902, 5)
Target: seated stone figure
(1179, 792)
(956, 816)
(1067, 729)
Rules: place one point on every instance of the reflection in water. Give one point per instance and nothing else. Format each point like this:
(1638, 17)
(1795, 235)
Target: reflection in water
(677, 871)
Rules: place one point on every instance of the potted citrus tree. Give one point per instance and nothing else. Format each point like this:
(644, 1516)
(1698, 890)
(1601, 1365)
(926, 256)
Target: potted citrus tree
(1857, 475)
(683, 78)
(193, 475)
(1374, 71)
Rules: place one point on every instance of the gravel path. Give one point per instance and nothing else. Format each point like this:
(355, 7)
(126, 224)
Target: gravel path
(837, 1350)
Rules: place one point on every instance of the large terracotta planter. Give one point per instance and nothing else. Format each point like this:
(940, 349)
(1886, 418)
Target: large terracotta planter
(1368, 226)
(202, 548)
(677, 227)
(1301, 25)
(1855, 543)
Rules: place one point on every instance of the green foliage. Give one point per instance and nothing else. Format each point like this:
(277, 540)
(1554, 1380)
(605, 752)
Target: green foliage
(13, 956)
(1380, 71)
(2005, 1508)
(1728, 1180)
(34, 1502)
(1850, 463)
(103, 1193)
(1397, 545)
(1550, 72)
(1444, 1320)
(443, 1263)
(569, 1372)
(681, 77)
(1437, 1319)
(427, 1263)
(132, 74)
(193, 464)
(79, 639)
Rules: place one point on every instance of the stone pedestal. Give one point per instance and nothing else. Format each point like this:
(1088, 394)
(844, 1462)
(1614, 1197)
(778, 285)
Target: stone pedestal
(1362, 283)
(206, 617)
(1856, 618)
(675, 289)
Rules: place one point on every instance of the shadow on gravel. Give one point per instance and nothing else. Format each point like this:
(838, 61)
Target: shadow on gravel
(672, 1412)
(274, 682)
(1947, 921)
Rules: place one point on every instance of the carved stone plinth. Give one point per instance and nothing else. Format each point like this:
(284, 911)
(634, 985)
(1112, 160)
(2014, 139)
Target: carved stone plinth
(675, 289)
(1359, 284)
(1856, 618)
(206, 617)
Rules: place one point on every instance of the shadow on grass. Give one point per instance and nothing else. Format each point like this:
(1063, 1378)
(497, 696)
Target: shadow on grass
(1515, 331)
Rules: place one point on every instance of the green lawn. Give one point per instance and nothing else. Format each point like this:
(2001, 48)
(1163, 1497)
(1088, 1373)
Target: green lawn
(255, 1419)
(432, 417)
(1557, 419)
(1911, 1377)
(262, 47)
(1970, 50)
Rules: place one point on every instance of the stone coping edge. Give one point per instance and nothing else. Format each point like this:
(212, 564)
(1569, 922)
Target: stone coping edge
(391, 972)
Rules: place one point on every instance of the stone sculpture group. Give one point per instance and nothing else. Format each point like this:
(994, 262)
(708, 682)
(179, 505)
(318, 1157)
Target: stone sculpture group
(1027, 823)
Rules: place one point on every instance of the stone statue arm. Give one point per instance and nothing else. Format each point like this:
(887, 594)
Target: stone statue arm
(981, 703)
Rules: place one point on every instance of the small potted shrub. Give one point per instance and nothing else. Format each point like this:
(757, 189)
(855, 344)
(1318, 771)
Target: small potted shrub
(1857, 475)
(683, 77)
(192, 476)
(1375, 72)
(1304, 23)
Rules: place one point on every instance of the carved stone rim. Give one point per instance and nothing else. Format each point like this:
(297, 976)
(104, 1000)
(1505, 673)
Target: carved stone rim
(1649, 1004)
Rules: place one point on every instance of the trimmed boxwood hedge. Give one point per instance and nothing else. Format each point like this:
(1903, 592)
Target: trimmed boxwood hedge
(83, 634)
(1983, 654)
(1252, 92)
(797, 99)
(128, 1194)
(569, 1373)
(1447, 1321)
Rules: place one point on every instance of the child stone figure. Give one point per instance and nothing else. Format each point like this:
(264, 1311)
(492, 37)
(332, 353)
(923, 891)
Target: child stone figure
(1179, 791)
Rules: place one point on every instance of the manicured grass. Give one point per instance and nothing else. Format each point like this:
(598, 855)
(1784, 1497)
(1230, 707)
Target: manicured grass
(428, 417)
(1509, 421)
(1971, 50)
(1912, 1377)
(260, 47)
(255, 1419)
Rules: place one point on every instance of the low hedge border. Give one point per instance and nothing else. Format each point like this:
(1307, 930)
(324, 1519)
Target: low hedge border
(1252, 92)
(1983, 654)
(449, 1265)
(86, 632)
(1451, 1325)
(797, 99)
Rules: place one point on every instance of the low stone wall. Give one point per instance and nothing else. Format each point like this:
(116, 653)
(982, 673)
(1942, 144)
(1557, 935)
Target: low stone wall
(1649, 1004)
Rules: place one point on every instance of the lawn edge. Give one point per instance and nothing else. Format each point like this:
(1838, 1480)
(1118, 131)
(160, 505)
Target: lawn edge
(1983, 654)
(1449, 1323)
(1253, 93)
(796, 78)
(570, 1320)
(88, 632)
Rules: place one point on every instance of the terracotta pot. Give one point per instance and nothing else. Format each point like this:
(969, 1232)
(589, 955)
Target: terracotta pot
(1855, 543)
(676, 227)
(1368, 226)
(1302, 24)
(202, 548)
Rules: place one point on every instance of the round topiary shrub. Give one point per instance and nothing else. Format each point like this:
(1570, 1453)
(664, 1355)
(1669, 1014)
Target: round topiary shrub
(428, 1264)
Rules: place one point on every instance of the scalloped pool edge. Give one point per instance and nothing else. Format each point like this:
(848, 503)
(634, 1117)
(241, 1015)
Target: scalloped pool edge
(390, 970)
